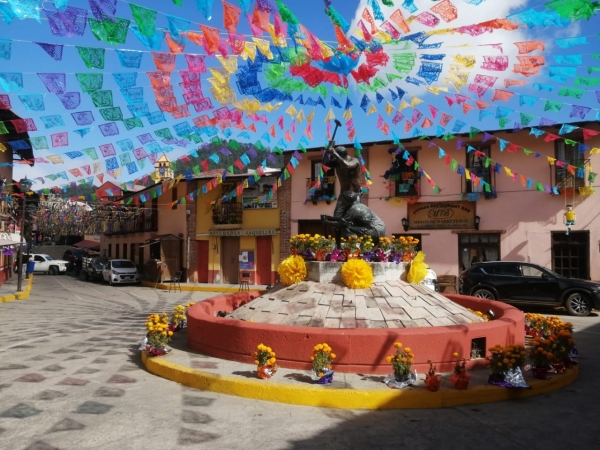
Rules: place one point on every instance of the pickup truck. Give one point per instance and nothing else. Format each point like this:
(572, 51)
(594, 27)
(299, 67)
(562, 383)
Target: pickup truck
(93, 267)
(45, 264)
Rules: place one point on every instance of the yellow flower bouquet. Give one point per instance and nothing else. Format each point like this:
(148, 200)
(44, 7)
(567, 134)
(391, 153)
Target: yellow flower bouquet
(264, 358)
(158, 334)
(402, 362)
(322, 360)
(506, 363)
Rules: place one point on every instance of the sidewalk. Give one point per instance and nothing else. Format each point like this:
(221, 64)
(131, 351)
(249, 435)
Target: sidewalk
(205, 287)
(8, 291)
(348, 391)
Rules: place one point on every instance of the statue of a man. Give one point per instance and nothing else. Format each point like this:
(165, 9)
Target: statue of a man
(356, 219)
(347, 170)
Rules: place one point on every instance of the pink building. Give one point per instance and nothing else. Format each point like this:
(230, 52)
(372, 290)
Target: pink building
(516, 220)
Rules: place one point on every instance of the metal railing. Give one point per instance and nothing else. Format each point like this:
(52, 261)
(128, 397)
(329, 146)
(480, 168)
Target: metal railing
(227, 214)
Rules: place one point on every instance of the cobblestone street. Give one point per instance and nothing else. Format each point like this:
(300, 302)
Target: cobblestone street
(71, 378)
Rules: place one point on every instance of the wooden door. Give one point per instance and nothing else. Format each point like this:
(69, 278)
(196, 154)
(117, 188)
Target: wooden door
(263, 260)
(571, 254)
(230, 262)
(202, 261)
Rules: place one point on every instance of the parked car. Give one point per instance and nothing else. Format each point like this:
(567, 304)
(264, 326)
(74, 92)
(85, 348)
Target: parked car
(45, 263)
(117, 271)
(71, 255)
(526, 283)
(93, 267)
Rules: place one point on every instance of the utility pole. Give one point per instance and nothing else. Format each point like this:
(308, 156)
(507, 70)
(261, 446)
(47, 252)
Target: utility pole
(20, 258)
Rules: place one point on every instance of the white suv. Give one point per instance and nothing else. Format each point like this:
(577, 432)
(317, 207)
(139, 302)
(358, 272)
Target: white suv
(45, 263)
(117, 271)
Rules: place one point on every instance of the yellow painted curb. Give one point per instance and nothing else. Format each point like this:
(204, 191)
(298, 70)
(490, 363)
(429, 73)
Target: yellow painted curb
(19, 295)
(195, 288)
(409, 398)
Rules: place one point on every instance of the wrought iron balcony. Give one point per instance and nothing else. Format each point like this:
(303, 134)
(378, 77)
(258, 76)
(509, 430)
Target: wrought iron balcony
(227, 214)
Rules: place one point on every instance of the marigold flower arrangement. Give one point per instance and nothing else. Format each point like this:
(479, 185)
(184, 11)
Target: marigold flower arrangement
(299, 244)
(178, 317)
(322, 360)
(292, 270)
(357, 274)
(264, 358)
(563, 338)
(502, 359)
(406, 245)
(402, 360)
(541, 353)
(536, 325)
(158, 333)
(351, 247)
(320, 246)
(461, 378)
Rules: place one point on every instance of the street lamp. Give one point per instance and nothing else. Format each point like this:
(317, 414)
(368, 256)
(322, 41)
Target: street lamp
(24, 187)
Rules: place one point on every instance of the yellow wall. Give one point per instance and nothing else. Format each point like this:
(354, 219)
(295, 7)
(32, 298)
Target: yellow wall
(251, 219)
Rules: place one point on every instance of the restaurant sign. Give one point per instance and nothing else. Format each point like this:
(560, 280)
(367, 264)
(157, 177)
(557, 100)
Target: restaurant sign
(234, 233)
(441, 215)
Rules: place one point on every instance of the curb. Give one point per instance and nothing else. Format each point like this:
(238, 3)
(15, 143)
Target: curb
(348, 398)
(195, 288)
(19, 295)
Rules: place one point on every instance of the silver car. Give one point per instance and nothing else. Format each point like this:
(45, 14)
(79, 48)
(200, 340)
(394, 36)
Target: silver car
(120, 271)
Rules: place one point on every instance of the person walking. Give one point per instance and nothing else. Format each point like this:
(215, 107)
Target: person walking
(78, 266)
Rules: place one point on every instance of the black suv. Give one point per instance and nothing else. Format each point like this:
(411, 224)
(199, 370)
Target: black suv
(526, 283)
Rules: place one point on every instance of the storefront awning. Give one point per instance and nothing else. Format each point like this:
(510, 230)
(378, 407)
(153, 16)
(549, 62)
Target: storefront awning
(4, 242)
(91, 245)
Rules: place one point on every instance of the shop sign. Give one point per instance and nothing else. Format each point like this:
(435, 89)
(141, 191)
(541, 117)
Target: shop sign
(234, 233)
(441, 215)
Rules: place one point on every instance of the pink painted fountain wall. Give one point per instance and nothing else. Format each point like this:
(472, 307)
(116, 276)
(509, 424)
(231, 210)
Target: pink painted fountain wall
(359, 350)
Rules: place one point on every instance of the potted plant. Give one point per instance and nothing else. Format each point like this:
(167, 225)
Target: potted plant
(542, 357)
(461, 378)
(320, 246)
(432, 380)
(402, 362)
(264, 358)
(158, 335)
(322, 360)
(562, 343)
(506, 363)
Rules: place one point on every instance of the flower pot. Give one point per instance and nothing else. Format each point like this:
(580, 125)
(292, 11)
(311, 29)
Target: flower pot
(540, 373)
(559, 367)
(460, 381)
(323, 377)
(265, 372)
(401, 378)
(432, 382)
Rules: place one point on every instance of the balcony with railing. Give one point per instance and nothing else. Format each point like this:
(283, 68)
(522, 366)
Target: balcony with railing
(227, 215)
(571, 177)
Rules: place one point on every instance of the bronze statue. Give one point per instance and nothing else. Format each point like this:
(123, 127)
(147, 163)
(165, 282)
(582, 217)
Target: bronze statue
(356, 219)
(347, 170)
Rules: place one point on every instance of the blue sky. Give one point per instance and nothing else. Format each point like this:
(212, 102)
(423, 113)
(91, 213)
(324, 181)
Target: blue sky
(30, 59)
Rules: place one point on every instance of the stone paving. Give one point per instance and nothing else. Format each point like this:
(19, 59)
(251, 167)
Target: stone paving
(388, 304)
(71, 378)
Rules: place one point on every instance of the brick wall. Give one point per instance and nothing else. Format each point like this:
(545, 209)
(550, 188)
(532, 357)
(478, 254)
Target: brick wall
(284, 201)
(191, 208)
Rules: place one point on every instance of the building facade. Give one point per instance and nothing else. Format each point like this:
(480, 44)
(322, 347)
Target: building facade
(444, 201)
(239, 238)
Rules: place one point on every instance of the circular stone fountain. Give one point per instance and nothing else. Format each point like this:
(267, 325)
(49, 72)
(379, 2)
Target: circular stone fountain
(360, 325)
